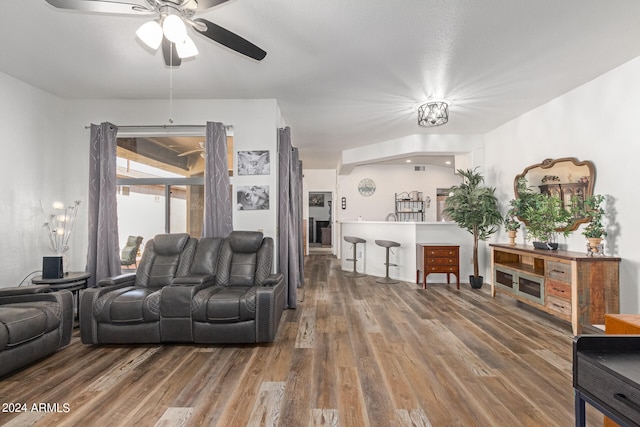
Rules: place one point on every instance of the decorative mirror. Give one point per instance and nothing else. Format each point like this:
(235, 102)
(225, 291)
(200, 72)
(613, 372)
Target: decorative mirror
(566, 178)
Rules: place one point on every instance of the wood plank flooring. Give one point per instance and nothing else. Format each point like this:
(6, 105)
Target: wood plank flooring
(354, 353)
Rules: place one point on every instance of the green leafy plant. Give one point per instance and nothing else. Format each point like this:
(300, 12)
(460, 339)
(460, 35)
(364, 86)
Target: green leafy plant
(510, 221)
(545, 215)
(474, 207)
(594, 212)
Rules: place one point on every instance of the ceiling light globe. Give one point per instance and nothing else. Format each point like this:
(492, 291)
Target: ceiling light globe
(151, 34)
(186, 48)
(174, 29)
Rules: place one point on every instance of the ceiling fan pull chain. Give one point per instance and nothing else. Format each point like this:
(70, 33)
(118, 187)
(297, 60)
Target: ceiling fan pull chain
(171, 89)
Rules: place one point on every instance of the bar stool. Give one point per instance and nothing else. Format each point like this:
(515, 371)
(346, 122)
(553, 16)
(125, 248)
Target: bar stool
(388, 244)
(354, 241)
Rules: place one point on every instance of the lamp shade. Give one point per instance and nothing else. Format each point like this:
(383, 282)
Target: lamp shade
(186, 48)
(151, 34)
(174, 29)
(433, 114)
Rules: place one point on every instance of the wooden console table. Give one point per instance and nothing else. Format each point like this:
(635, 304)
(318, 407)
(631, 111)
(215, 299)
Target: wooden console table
(437, 258)
(606, 374)
(569, 285)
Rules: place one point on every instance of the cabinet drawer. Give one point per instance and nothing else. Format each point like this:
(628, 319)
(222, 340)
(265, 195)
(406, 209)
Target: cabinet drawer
(439, 253)
(559, 271)
(504, 278)
(558, 305)
(558, 289)
(442, 269)
(531, 287)
(609, 388)
(442, 261)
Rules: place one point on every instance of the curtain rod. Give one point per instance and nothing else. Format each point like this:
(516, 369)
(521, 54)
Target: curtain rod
(162, 126)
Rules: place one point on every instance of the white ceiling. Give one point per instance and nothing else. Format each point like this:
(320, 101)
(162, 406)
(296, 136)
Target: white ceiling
(346, 73)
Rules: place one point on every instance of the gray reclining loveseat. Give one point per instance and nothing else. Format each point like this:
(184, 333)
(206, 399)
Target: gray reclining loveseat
(34, 323)
(208, 290)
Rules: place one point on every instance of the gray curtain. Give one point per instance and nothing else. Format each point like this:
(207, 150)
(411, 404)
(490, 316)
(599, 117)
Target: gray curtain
(290, 246)
(218, 221)
(103, 254)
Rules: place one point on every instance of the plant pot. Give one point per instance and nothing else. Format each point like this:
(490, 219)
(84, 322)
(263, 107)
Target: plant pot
(512, 237)
(545, 245)
(476, 281)
(594, 243)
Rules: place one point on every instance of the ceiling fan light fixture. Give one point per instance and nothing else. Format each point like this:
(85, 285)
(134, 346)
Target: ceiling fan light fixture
(186, 48)
(174, 28)
(433, 113)
(151, 34)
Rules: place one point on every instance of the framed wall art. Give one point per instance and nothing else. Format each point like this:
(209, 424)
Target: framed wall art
(316, 199)
(254, 162)
(253, 198)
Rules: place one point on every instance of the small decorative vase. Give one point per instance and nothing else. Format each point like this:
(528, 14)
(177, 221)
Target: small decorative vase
(594, 243)
(512, 237)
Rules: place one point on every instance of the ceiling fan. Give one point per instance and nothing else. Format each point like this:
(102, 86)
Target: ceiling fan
(197, 150)
(169, 29)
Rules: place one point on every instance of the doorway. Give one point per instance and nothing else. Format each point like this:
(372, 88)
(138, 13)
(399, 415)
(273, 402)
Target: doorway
(320, 230)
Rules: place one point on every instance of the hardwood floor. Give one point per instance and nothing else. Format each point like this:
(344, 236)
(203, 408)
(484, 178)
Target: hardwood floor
(354, 353)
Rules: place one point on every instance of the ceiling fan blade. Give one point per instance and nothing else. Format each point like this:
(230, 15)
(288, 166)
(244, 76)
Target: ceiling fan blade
(127, 7)
(228, 39)
(170, 54)
(199, 150)
(207, 4)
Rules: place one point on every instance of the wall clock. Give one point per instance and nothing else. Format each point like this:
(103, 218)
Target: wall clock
(366, 187)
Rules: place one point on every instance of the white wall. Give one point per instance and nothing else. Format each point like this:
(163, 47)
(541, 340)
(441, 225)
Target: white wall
(597, 121)
(32, 170)
(389, 180)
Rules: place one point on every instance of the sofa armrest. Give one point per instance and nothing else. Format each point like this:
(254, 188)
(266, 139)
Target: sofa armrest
(88, 299)
(23, 290)
(126, 278)
(273, 280)
(270, 301)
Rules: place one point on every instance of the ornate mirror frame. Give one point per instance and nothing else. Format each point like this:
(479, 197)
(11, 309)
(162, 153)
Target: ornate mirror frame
(565, 177)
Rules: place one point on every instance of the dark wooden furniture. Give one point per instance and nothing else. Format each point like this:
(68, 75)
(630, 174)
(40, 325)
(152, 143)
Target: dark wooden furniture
(73, 281)
(572, 286)
(437, 258)
(606, 374)
(620, 324)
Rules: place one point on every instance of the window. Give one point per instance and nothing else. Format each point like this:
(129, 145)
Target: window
(161, 185)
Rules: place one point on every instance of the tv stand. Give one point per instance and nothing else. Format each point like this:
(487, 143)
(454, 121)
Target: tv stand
(572, 286)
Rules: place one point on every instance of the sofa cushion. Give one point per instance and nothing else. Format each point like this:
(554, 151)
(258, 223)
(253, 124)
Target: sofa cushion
(129, 305)
(20, 323)
(221, 304)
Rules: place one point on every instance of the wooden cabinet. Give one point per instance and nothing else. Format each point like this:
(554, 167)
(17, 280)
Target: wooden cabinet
(408, 210)
(437, 258)
(569, 285)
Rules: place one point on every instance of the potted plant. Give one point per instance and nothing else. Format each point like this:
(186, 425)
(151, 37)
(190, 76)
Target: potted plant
(511, 223)
(594, 231)
(544, 215)
(474, 207)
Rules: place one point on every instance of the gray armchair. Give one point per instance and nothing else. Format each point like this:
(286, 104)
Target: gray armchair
(34, 323)
(126, 308)
(129, 254)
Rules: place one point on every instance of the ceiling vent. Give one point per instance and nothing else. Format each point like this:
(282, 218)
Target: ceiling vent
(419, 168)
